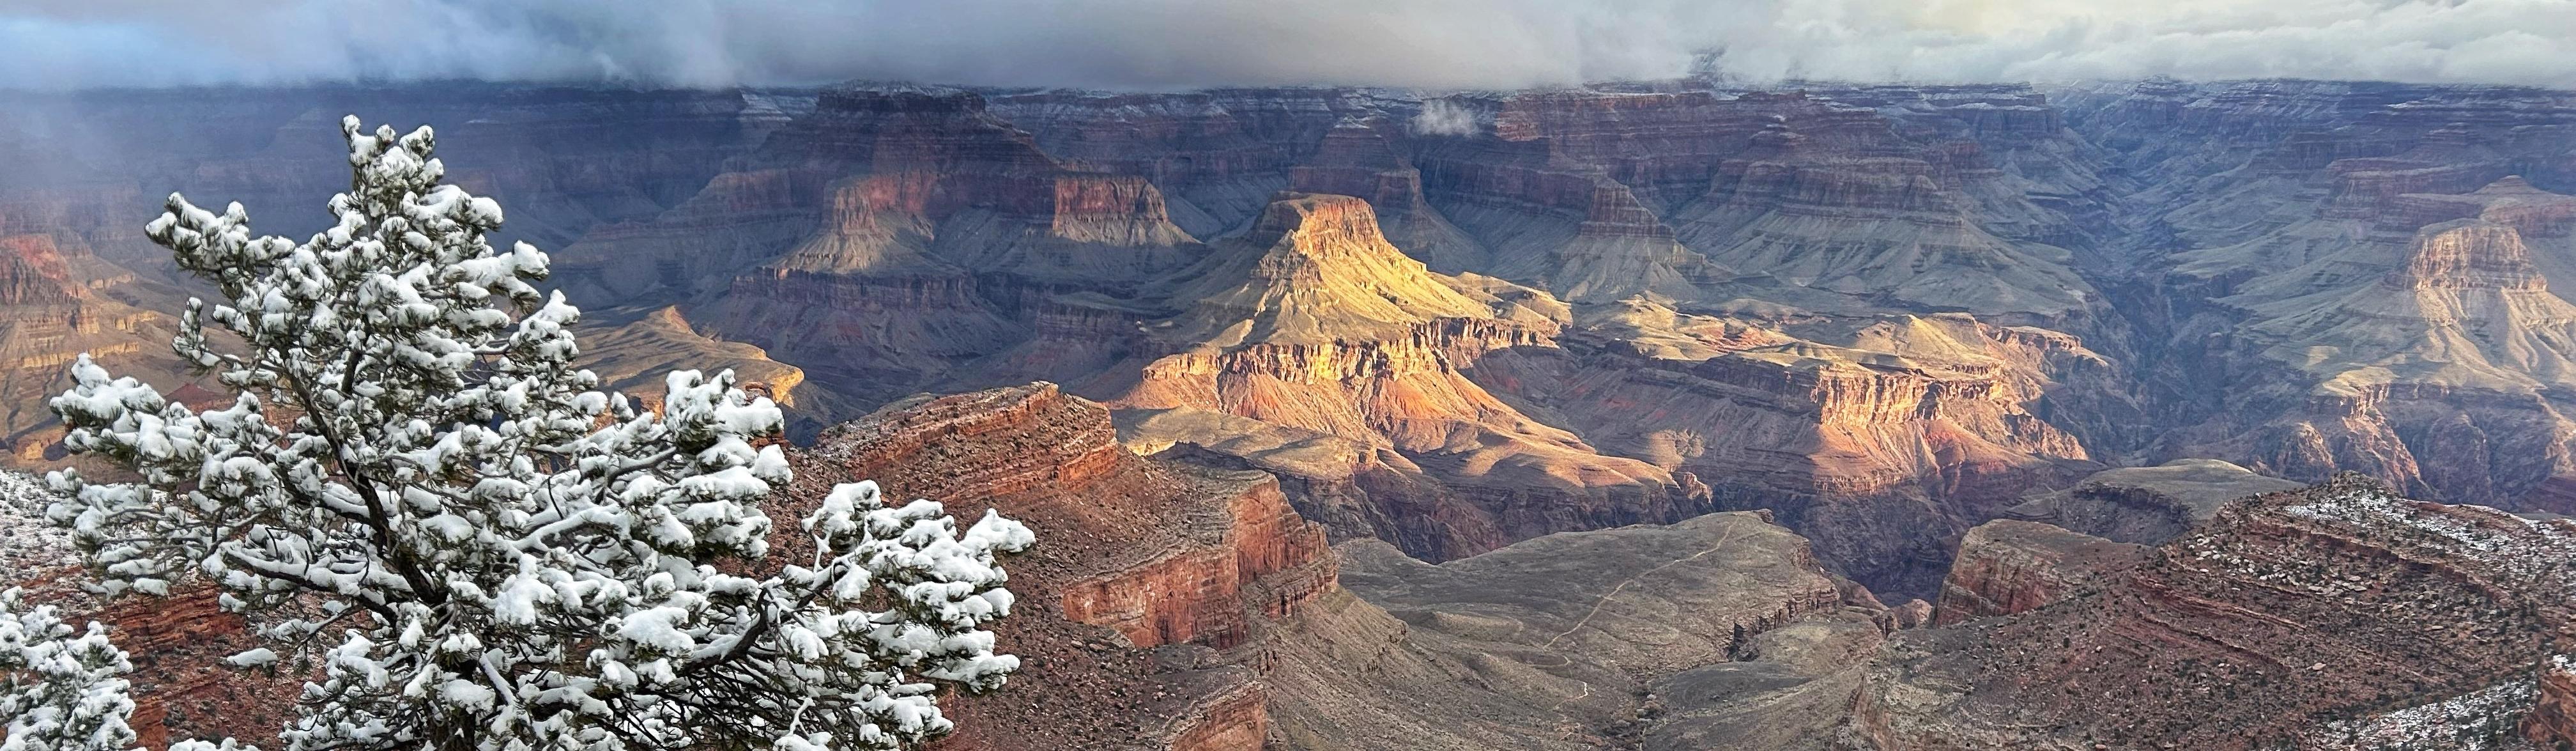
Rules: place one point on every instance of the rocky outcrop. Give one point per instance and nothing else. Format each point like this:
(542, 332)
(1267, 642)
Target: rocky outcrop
(2147, 505)
(1575, 640)
(2456, 339)
(2552, 722)
(1137, 555)
(1270, 555)
(2283, 612)
(1313, 322)
(1882, 451)
(2467, 254)
(2005, 567)
(1234, 720)
(1363, 158)
(32, 272)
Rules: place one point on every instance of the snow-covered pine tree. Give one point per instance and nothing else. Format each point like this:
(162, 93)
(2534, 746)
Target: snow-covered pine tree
(59, 692)
(505, 556)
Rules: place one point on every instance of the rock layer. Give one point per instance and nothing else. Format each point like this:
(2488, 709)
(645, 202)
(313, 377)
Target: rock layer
(1136, 555)
(2006, 567)
(2552, 721)
(2147, 505)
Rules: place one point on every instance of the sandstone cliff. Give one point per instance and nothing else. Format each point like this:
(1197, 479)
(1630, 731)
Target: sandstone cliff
(1136, 555)
(2553, 715)
(54, 306)
(2006, 567)
(1312, 321)
(1882, 439)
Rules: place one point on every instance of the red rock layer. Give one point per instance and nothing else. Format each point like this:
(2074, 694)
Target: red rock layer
(183, 688)
(2006, 567)
(32, 272)
(1132, 554)
(1236, 721)
(2511, 201)
(181, 685)
(2365, 188)
(2552, 722)
(1204, 595)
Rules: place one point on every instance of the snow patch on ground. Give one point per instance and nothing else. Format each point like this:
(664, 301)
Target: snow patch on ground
(2481, 720)
(2533, 551)
(28, 542)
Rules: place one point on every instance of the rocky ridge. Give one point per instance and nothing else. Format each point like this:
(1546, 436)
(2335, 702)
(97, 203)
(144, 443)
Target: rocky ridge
(2285, 612)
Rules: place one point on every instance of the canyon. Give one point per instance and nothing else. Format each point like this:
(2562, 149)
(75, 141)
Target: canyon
(1666, 414)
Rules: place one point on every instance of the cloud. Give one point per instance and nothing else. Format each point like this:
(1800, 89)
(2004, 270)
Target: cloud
(1161, 44)
(1441, 117)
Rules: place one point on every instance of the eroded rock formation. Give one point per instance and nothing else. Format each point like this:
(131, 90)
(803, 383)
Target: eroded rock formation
(2147, 505)
(1192, 604)
(1138, 557)
(2006, 567)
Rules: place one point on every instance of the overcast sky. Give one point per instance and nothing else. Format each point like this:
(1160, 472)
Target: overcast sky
(1161, 44)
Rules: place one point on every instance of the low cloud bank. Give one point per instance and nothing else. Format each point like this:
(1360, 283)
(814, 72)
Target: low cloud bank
(1166, 44)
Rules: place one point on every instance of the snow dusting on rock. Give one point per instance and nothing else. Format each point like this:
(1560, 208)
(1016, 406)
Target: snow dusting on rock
(2481, 720)
(27, 541)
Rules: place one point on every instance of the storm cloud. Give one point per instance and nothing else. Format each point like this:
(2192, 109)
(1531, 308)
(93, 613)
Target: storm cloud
(1164, 44)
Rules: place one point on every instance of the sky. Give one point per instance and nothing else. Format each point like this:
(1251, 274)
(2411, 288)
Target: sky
(1176, 44)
